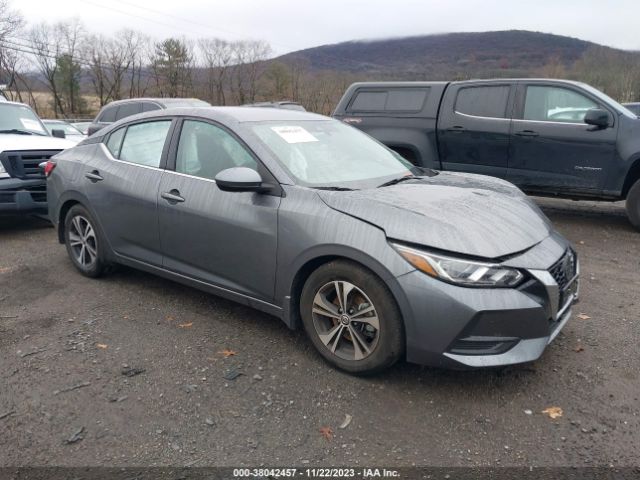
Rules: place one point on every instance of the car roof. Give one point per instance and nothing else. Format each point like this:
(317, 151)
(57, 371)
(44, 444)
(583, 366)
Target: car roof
(232, 114)
(159, 100)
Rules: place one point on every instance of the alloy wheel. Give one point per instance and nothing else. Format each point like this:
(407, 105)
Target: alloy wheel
(83, 242)
(346, 320)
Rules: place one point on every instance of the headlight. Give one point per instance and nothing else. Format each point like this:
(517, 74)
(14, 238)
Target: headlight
(461, 272)
(3, 172)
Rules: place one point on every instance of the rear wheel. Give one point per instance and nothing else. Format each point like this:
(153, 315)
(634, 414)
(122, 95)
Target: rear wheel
(633, 205)
(351, 318)
(83, 242)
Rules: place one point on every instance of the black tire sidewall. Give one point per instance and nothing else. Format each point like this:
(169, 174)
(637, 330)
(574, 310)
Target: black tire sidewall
(633, 205)
(390, 347)
(98, 267)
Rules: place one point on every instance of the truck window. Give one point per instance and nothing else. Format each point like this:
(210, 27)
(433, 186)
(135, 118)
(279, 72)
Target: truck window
(556, 104)
(485, 101)
(395, 100)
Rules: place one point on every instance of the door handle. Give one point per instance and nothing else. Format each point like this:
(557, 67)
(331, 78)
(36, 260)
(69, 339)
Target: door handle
(527, 133)
(94, 176)
(456, 129)
(172, 196)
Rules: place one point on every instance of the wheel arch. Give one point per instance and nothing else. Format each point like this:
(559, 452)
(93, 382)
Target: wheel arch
(633, 175)
(307, 264)
(66, 202)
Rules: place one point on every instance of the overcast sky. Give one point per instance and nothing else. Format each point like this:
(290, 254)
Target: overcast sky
(295, 24)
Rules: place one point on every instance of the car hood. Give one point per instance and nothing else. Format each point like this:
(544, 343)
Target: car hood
(10, 142)
(462, 213)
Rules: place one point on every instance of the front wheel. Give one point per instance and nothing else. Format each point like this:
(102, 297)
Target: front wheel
(351, 318)
(83, 242)
(633, 205)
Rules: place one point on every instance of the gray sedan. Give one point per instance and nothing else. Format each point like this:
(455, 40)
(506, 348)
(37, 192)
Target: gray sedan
(313, 221)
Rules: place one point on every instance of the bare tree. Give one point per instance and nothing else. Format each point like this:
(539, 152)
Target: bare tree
(11, 22)
(248, 67)
(47, 46)
(109, 60)
(217, 55)
(141, 53)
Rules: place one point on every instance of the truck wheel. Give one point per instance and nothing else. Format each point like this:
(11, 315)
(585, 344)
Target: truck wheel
(633, 205)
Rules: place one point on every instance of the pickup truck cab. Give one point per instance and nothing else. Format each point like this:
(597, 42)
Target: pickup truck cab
(24, 144)
(549, 137)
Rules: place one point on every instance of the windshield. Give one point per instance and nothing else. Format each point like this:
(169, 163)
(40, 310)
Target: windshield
(19, 117)
(327, 153)
(67, 128)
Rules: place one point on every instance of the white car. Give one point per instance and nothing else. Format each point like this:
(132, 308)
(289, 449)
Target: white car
(24, 144)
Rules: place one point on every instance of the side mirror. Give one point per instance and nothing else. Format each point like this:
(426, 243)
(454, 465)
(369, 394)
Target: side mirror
(56, 132)
(597, 117)
(239, 179)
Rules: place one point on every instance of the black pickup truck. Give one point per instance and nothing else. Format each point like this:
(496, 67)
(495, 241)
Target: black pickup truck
(549, 137)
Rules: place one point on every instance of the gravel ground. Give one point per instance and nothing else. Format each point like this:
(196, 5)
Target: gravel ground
(66, 343)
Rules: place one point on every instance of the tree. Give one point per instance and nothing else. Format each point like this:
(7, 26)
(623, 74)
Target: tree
(172, 67)
(56, 54)
(217, 55)
(248, 67)
(11, 23)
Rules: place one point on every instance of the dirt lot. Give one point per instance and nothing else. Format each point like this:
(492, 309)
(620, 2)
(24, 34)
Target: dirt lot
(64, 400)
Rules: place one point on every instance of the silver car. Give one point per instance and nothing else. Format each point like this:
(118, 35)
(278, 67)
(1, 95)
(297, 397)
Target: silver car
(313, 221)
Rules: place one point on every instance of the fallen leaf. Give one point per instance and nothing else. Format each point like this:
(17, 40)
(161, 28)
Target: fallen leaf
(186, 325)
(347, 421)
(553, 412)
(226, 353)
(583, 316)
(327, 433)
(101, 345)
(5, 269)
(169, 318)
(579, 348)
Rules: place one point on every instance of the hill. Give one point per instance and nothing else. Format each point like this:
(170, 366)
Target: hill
(446, 56)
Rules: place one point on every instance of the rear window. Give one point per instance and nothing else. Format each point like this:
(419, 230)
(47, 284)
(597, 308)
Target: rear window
(149, 107)
(397, 100)
(490, 101)
(108, 115)
(128, 109)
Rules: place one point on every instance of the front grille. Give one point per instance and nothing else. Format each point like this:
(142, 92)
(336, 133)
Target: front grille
(564, 269)
(25, 164)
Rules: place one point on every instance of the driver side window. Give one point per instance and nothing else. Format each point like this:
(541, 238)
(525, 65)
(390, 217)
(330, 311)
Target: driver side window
(204, 150)
(555, 104)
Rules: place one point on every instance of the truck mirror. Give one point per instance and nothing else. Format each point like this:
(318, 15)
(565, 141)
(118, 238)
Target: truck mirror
(597, 117)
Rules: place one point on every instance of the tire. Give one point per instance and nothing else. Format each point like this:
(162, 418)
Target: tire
(348, 338)
(633, 205)
(84, 242)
